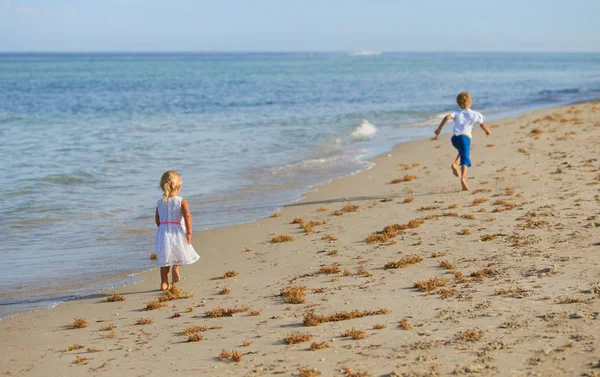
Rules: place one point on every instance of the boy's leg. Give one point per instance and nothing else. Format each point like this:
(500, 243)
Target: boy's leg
(463, 144)
(463, 178)
(454, 166)
(456, 144)
(176, 276)
(164, 278)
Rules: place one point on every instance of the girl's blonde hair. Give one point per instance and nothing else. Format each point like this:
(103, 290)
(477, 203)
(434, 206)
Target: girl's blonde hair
(169, 182)
(464, 100)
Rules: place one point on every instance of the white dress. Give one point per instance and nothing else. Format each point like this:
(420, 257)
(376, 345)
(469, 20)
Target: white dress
(171, 244)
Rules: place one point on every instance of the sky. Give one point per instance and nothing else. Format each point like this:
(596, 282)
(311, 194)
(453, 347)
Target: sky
(300, 25)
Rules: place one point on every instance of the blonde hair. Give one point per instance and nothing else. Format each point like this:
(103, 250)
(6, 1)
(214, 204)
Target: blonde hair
(169, 182)
(464, 100)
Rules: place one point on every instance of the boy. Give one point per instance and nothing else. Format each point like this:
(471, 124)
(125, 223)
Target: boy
(464, 120)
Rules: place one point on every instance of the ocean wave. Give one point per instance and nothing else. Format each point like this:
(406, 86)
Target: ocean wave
(138, 230)
(302, 167)
(432, 120)
(65, 179)
(364, 129)
(559, 92)
(9, 120)
(32, 222)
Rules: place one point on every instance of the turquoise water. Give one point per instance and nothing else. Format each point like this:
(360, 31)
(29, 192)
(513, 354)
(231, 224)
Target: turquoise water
(85, 138)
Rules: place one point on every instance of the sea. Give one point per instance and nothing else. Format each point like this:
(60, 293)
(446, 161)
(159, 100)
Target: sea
(85, 138)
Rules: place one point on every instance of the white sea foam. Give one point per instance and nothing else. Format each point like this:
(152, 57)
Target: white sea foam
(364, 129)
(365, 53)
(432, 120)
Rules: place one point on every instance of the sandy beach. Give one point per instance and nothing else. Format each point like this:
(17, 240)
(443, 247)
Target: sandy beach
(414, 278)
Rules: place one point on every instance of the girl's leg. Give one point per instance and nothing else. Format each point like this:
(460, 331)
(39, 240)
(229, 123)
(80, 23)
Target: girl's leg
(164, 278)
(176, 276)
(463, 178)
(454, 166)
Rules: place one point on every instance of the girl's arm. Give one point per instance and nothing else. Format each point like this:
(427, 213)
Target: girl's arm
(157, 218)
(439, 129)
(187, 217)
(485, 129)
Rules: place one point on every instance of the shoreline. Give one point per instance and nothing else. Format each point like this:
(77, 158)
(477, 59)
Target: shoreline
(113, 284)
(520, 290)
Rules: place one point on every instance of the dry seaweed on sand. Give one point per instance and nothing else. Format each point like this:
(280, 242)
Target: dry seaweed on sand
(509, 291)
(153, 305)
(79, 323)
(307, 372)
(297, 337)
(111, 335)
(355, 334)
(329, 237)
(350, 373)
(471, 335)
(331, 269)
(447, 265)
(194, 330)
(226, 312)
(403, 262)
(174, 293)
(80, 360)
(224, 355)
(406, 178)
(74, 347)
(195, 338)
(488, 237)
(225, 291)
(484, 272)
(404, 324)
(312, 319)
(431, 284)
(478, 201)
(391, 231)
(108, 327)
(282, 238)
(350, 208)
(318, 346)
(236, 356)
(114, 298)
(428, 208)
(229, 274)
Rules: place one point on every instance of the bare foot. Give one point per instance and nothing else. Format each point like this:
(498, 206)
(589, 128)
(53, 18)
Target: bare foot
(464, 185)
(176, 276)
(164, 286)
(454, 169)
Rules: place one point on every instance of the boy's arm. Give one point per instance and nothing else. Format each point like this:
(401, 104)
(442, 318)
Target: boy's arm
(444, 121)
(485, 129)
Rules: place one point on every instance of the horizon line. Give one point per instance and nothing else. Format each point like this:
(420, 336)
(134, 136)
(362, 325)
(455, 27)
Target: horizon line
(287, 51)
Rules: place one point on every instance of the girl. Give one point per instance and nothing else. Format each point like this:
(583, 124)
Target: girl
(174, 234)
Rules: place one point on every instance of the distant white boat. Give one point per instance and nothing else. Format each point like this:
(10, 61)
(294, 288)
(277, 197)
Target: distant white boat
(365, 53)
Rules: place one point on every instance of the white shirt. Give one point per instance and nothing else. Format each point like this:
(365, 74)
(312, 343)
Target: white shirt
(464, 120)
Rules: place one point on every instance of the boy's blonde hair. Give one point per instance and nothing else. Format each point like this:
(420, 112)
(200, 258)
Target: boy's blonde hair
(169, 182)
(464, 100)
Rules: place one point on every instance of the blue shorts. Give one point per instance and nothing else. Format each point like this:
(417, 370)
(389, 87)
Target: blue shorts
(463, 144)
